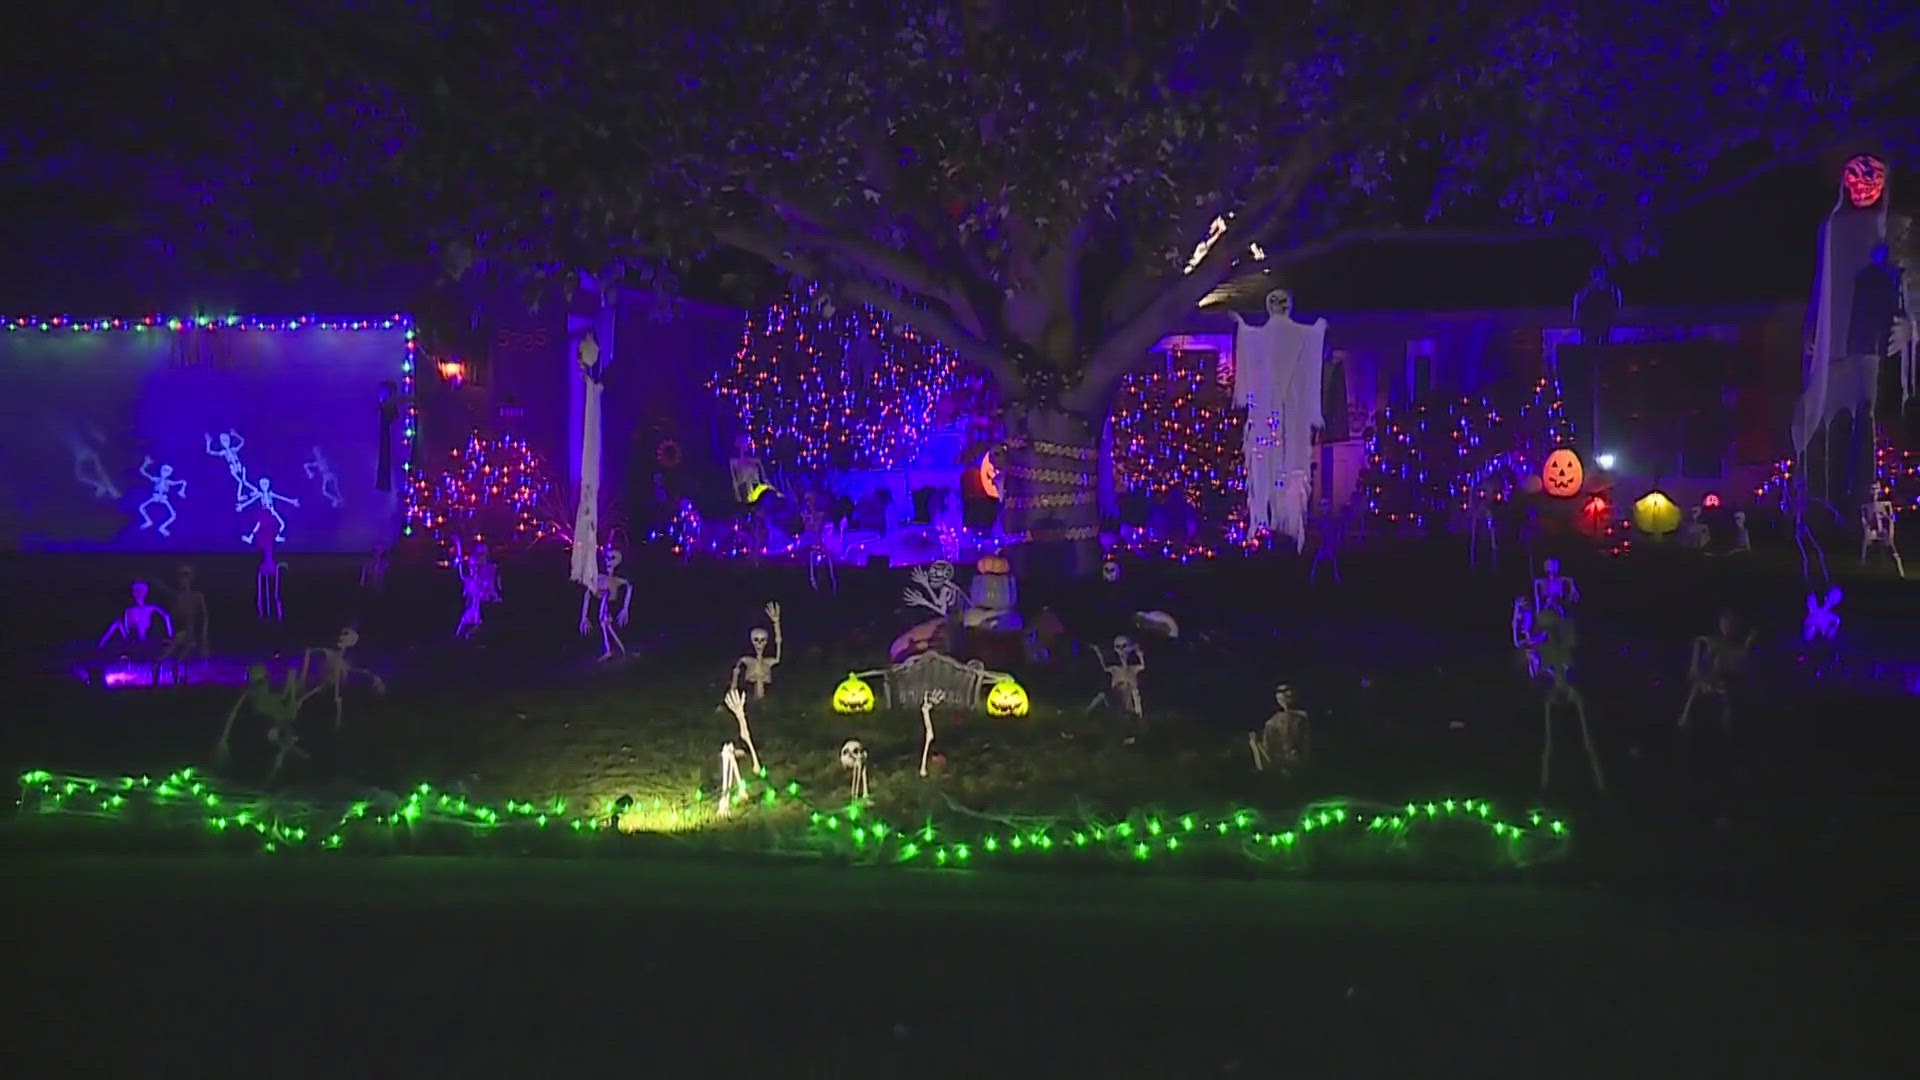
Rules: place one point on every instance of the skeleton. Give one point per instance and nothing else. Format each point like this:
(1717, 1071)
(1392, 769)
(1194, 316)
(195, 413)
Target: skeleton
(757, 670)
(136, 620)
(1527, 636)
(1876, 531)
(266, 583)
(336, 669)
(1124, 673)
(1742, 543)
(933, 588)
(1822, 621)
(608, 588)
(373, 572)
(164, 488)
(1283, 736)
(927, 702)
(1794, 506)
(819, 541)
(1714, 660)
(1693, 532)
(736, 703)
(1110, 570)
(279, 707)
(262, 492)
(1556, 654)
(319, 466)
(479, 584)
(189, 626)
(1554, 591)
(853, 758)
(732, 785)
(229, 451)
(1480, 520)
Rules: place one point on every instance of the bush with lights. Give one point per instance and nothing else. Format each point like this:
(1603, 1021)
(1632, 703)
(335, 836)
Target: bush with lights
(495, 490)
(1426, 463)
(818, 387)
(1896, 471)
(1176, 431)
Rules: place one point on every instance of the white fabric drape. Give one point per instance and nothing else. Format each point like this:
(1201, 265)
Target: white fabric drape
(586, 517)
(1277, 377)
(1832, 382)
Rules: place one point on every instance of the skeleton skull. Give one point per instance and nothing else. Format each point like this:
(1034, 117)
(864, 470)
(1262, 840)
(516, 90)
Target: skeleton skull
(940, 573)
(759, 639)
(852, 754)
(1283, 696)
(1553, 567)
(1123, 645)
(139, 592)
(349, 637)
(1110, 571)
(1280, 304)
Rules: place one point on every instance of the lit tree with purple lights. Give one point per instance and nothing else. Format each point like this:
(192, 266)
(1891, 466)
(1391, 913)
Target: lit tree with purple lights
(820, 387)
(1025, 183)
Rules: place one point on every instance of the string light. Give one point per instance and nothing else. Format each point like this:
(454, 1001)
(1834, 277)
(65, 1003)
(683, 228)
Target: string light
(495, 490)
(246, 323)
(1896, 471)
(1428, 462)
(819, 388)
(1340, 827)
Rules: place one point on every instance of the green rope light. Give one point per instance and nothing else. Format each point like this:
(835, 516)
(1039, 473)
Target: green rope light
(1336, 829)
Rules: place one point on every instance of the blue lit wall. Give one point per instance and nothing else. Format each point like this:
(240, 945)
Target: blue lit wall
(82, 409)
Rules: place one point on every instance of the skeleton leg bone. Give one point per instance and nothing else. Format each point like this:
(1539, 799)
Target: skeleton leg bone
(1260, 757)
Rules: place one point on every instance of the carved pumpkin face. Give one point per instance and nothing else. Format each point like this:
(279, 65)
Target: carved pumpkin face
(1655, 514)
(1562, 474)
(1007, 698)
(853, 696)
(1865, 178)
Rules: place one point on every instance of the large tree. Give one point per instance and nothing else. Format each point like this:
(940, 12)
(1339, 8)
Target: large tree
(1027, 182)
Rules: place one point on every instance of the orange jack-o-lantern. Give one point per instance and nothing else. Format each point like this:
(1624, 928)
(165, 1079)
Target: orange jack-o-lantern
(1865, 178)
(992, 564)
(1562, 474)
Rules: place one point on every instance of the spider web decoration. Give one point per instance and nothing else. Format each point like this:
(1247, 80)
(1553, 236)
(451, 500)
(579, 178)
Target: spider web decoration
(819, 387)
(492, 490)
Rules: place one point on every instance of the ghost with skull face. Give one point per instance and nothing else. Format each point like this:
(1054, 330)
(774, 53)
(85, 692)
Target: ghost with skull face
(1276, 376)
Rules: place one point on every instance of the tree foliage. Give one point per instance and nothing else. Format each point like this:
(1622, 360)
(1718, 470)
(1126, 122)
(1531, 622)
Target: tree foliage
(1025, 182)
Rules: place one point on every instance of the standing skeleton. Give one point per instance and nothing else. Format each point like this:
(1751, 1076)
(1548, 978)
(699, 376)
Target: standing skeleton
(1715, 659)
(279, 707)
(1876, 531)
(1556, 654)
(479, 584)
(927, 702)
(1554, 591)
(190, 632)
(336, 669)
(757, 669)
(608, 588)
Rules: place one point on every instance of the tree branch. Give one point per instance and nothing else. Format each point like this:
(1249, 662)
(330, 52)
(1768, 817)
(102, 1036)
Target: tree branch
(940, 326)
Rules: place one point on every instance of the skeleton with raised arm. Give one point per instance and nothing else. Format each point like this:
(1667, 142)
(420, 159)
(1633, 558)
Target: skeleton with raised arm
(164, 488)
(757, 670)
(607, 590)
(279, 707)
(336, 669)
(932, 587)
(1714, 661)
(1123, 689)
(136, 619)
(479, 584)
(736, 703)
(927, 701)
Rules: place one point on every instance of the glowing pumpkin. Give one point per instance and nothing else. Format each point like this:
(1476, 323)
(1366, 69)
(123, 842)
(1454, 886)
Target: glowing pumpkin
(1655, 514)
(1007, 698)
(1865, 179)
(992, 564)
(853, 696)
(1562, 474)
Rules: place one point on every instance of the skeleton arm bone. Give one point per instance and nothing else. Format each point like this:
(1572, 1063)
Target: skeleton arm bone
(626, 597)
(773, 612)
(118, 626)
(165, 618)
(146, 469)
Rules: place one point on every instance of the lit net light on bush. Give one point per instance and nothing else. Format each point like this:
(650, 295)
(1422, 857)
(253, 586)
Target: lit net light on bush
(819, 387)
(1428, 461)
(492, 490)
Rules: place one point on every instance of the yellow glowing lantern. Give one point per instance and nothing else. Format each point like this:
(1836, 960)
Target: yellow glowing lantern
(1562, 474)
(1007, 698)
(853, 696)
(1655, 514)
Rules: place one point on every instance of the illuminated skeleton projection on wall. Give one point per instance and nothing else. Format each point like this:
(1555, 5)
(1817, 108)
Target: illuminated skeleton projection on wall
(164, 488)
(318, 468)
(219, 403)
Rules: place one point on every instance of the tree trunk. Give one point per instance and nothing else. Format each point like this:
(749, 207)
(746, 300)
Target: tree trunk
(1053, 502)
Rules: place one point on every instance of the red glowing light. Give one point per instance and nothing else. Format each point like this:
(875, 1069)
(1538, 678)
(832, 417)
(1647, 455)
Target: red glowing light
(1711, 502)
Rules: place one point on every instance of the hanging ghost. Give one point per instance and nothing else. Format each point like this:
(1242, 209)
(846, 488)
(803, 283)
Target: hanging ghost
(1277, 377)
